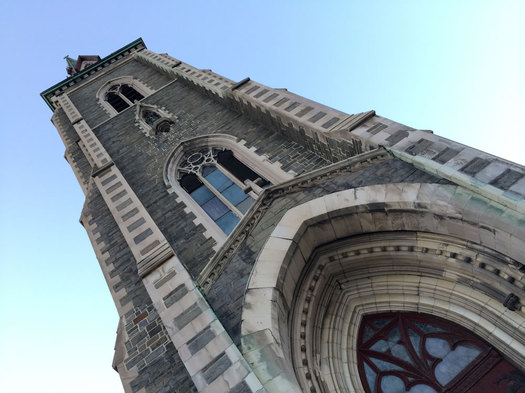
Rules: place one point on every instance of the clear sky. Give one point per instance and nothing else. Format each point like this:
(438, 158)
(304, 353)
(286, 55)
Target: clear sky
(455, 67)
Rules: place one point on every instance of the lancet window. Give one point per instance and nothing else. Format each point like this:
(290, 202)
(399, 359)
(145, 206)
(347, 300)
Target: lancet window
(222, 186)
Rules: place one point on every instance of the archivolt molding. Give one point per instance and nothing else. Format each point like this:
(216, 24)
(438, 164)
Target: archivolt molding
(440, 250)
(407, 271)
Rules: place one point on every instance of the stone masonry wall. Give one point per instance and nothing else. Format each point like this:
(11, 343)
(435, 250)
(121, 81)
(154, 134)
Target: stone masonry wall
(227, 294)
(84, 97)
(149, 353)
(73, 154)
(141, 159)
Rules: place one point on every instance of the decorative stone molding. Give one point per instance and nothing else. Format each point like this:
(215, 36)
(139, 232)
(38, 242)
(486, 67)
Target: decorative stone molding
(396, 270)
(259, 163)
(156, 258)
(151, 129)
(204, 79)
(512, 302)
(213, 361)
(147, 243)
(71, 111)
(459, 264)
(509, 200)
(302, 113)
(220, 261)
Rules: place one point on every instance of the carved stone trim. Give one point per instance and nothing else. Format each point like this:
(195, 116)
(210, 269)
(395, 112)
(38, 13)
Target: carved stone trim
(512, 302)
(405, 246)
(161, 254)
(239, 84)
(260, 163)
(509, 200)
(147, 129)
(340, 266)
(220, 261)
(98, 170)
(353, 121)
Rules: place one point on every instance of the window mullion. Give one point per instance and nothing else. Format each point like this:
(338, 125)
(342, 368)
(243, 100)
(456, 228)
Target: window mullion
(125, 99)
(230, 176)
(253, 193)
(221, 197)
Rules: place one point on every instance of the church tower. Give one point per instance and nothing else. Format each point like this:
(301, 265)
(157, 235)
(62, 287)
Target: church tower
(256, 241)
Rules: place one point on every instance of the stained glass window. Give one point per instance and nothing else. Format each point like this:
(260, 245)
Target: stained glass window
(223, 186)
(418, 353)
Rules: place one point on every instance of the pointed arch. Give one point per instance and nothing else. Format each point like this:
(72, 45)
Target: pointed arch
(430, 248)
(153, 120)
(120, 93)
(218, 179)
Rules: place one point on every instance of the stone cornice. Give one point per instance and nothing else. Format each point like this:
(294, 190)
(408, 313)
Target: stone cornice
(220, 261)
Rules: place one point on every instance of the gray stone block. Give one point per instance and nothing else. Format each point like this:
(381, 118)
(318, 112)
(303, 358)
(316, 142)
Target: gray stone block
(217, 366)
(175, 295)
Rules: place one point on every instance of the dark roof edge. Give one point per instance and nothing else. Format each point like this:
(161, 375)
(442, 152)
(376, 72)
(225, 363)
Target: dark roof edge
(106, 59)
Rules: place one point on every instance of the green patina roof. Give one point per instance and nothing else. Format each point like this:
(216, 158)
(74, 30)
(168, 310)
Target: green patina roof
(49, 92)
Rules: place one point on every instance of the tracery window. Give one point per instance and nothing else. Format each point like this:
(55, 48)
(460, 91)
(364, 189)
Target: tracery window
(155, 121)
(119, 94)
(417, 353)
(223, 186)
(122, 96)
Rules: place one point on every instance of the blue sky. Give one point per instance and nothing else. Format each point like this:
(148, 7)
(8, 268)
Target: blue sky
(455, 67)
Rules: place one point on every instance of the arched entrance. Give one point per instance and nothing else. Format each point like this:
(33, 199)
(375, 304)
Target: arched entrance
(419, 353)
(398, 247)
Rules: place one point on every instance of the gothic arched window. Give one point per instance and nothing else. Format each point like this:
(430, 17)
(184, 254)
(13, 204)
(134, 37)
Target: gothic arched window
(218, 178)
(418, 353)
(122, 96)
(119, 94)
(223, 186)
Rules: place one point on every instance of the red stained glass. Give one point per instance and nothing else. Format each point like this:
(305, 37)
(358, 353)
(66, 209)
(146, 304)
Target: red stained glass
(418, 353)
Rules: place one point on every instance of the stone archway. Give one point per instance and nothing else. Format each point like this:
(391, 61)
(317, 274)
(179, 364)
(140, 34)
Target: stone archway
(437, 248)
